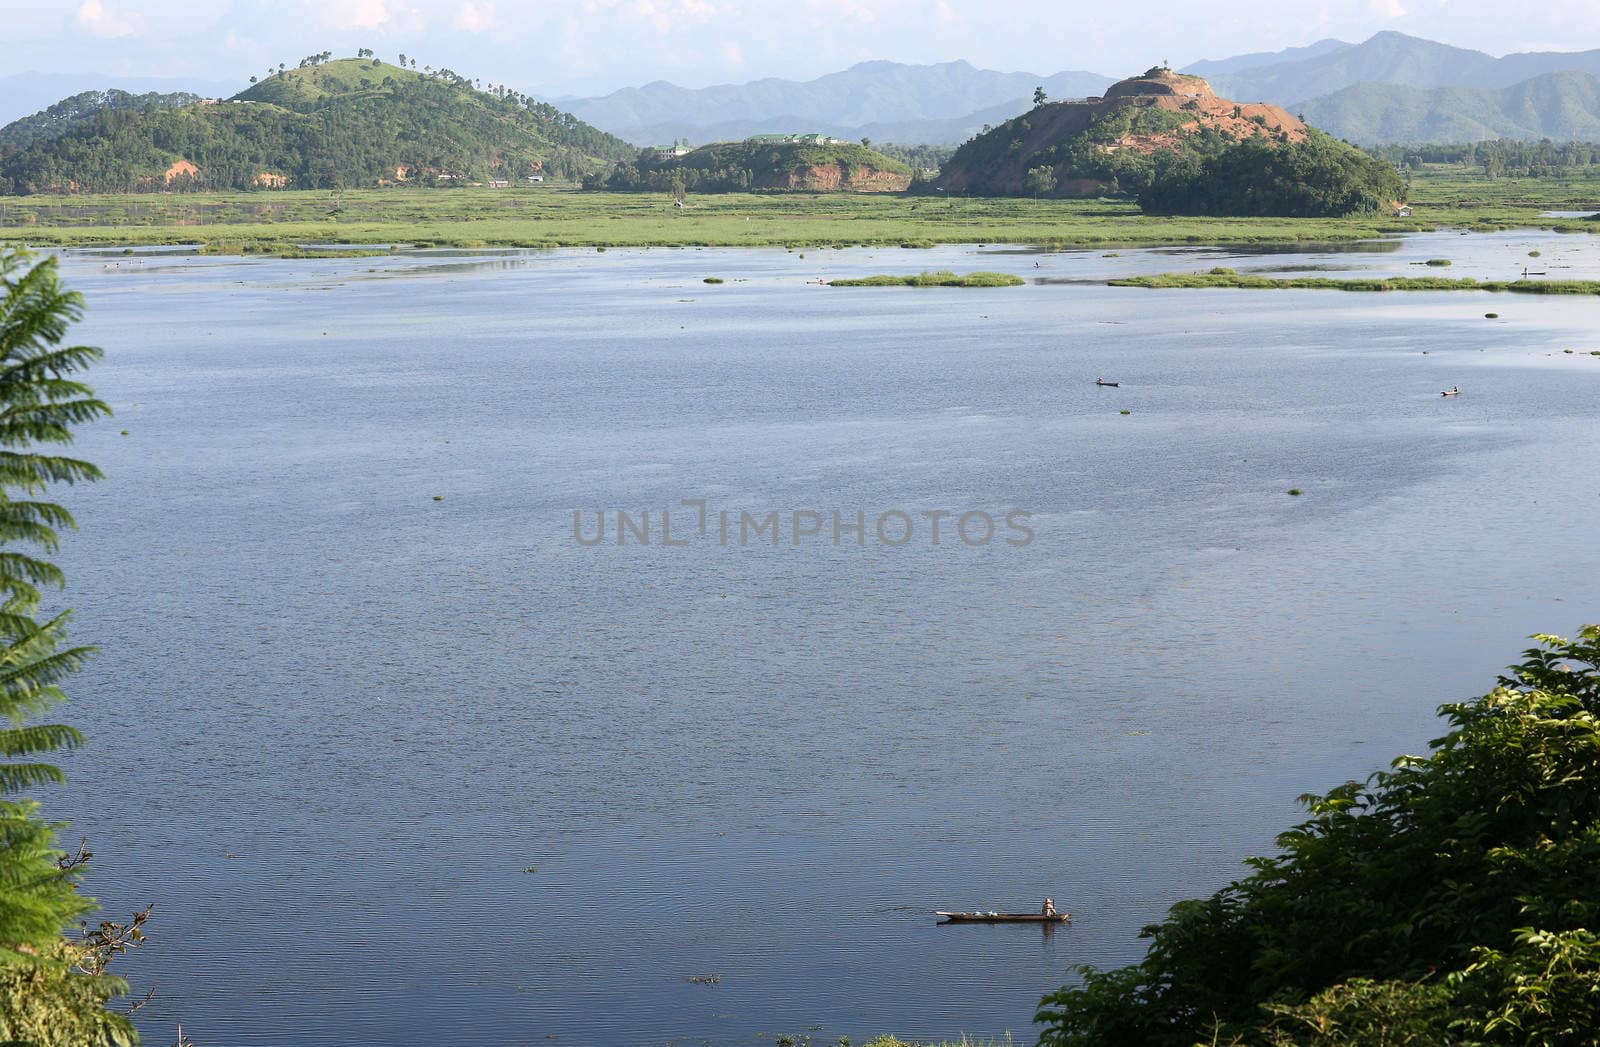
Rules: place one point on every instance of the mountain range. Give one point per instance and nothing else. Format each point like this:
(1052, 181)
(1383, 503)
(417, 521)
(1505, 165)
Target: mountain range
(1392, 58)
(887, 101)
(1556, 106)
(1391, 87)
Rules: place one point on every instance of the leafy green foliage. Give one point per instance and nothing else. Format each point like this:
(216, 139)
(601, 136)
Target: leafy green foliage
(1320, 177)
(1040, 181)
(66, 114)
(1448, 898)
(54, 1004)
(348, 122)
(1361, 1011)
(51, 991)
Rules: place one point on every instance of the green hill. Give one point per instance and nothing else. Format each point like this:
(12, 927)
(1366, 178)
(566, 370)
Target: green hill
(68, 113)
(314, 85)
(765, 163)
(1561, 106)
(349, 122)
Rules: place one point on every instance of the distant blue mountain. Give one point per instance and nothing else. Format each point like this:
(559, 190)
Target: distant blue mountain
(1393, 58)
(1222, 66)
(884, 100)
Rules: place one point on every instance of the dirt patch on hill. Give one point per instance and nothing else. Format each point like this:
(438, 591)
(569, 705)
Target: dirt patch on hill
(834, 178)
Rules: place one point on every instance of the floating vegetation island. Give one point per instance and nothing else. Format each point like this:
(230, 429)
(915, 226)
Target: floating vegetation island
(941, 278)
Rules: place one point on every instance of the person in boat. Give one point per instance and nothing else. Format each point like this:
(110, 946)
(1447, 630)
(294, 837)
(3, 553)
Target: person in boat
(1048, 910)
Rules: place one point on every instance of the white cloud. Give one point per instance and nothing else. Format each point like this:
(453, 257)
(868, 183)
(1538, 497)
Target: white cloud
(101, 20)
(365, 14)
(732, 54)
(474, 16)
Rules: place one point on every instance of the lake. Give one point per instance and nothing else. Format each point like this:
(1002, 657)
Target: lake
(400, 760)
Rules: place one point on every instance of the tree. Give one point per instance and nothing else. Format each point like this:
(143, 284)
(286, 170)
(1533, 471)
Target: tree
(1039, 97)
(252, 79)
(1040, 181)
(48, 984)
(1449, 899)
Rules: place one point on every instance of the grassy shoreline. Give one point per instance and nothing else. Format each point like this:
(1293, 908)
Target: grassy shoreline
(1230, 278)
(541, 218)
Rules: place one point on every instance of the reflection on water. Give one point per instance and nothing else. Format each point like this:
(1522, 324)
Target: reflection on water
(402, 770)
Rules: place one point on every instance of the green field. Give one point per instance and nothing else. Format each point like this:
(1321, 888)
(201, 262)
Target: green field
(545, 216)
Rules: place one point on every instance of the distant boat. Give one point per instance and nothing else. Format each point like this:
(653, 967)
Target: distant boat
(1003, 917)
(1452, 391)
(1110, 385)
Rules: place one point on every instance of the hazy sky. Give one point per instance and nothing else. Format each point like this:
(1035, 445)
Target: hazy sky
(554, 47)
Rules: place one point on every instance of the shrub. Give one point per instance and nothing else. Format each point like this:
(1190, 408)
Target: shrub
(1453, 891)
(1320, 177)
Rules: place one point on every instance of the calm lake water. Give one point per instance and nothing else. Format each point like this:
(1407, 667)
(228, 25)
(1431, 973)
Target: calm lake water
(399, 770)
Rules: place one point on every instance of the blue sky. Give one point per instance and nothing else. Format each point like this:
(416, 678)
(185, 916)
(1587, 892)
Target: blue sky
(558, 47)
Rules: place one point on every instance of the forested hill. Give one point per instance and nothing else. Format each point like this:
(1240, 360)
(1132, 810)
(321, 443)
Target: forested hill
(70, 112)
(1562, 106)
(347, 122)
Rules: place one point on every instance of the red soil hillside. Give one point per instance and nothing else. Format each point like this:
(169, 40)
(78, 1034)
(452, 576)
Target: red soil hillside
(1143, 114)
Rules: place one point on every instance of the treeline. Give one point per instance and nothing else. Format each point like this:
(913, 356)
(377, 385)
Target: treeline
(1320, 177)
(737, 166)
(1502, 158)
(438, 130)
(917, 157)
(69, 112)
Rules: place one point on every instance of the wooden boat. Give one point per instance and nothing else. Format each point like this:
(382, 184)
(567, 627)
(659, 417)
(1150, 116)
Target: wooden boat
(1109, 385)
(1451, 392)
(1003, 917)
